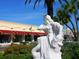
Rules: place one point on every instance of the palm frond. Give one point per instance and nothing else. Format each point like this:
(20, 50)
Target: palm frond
(37, 1)
(66, 1)
(27, 1)
(60, 1)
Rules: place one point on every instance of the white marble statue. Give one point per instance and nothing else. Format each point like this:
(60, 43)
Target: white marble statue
(49, 46)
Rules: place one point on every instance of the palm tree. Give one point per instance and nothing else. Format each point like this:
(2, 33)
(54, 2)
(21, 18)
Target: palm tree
(71, 7)
(63, 16)
(48, 3)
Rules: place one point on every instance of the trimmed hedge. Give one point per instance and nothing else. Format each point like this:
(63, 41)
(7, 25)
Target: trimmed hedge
(70, 50)
(18, 52)
(18, 49)
(20, 56)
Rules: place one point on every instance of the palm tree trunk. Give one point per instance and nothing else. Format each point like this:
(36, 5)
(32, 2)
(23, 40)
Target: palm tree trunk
(76, 26)
(74, 33)
(50, 11)
(50, 8)
(75, 36)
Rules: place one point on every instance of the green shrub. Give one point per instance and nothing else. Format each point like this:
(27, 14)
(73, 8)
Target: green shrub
(18, 52)
(18, 49)
(70, 50)
(1, 54)
(14, 56)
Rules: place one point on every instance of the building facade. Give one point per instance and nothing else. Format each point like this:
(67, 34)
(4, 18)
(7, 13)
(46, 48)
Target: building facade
(13, 32)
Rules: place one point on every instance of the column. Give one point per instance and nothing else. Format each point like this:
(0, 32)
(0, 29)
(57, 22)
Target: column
(11, 38)
(32, 37)
(23, 38)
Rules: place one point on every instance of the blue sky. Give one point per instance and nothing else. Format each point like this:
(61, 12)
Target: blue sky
(17, 11)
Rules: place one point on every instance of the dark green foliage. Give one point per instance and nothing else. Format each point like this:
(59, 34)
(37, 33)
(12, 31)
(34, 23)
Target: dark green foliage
(20, 56)
(1, 55)
(18, 52)
(18, 49)
(69, 8)
(70, 50)
(73, 1)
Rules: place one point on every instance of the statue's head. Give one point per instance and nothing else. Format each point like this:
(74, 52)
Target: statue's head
(47, 17)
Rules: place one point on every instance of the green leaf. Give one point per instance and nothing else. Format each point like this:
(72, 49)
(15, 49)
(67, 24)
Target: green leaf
(72, 9)
(68, 19)
(59, 13)
(73, 1)
(66, 6)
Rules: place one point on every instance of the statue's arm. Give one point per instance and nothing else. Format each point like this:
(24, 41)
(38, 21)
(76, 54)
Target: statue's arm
(61, 30)
(35, 51)
(36, 48)
(60, 27)
(51, 21)
(59, 37)
(41, 27)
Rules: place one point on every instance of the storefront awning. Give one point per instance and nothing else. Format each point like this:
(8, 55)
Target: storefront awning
(19, 29)
(8, 32)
